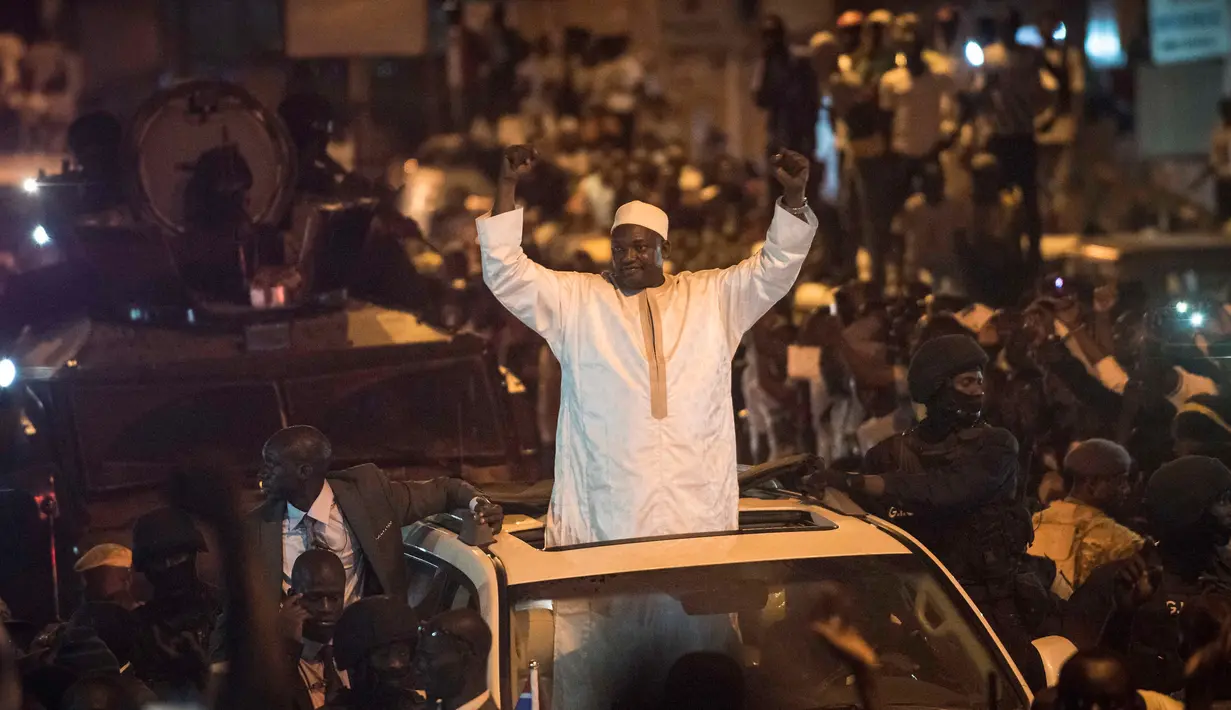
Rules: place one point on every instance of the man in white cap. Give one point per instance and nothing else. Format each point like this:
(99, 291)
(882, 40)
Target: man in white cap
(645, 442)
(106, 570)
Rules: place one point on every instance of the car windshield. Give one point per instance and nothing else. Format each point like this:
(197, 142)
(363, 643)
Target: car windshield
(604, 642)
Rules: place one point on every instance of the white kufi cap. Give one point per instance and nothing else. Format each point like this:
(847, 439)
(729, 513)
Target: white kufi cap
(642, 214)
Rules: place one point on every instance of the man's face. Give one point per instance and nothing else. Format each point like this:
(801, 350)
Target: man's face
(108, 583)
(969, 383)
(960, 404)
(279, 477)
(636, 257)
(393, 664)
(441, 664)
(172, 573)
(322, 592)
(773, 35)
(1220, 515)
(1111, 491)
(849, 37)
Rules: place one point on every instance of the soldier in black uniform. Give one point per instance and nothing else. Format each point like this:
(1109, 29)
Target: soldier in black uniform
(177, 621)
(1160, 607)
(309, 118)
(951, 481)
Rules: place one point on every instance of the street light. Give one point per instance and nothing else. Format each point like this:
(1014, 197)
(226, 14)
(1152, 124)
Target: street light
(29, 185)
(974, 54)
(8, 373)
(40, 236)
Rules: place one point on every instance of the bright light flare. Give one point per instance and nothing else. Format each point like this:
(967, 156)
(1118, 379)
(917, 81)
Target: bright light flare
(974, 54)
(1197, 320)
(1061, 33)
(29, 185)
(40, 236)
(1181, 307)
(8, 372)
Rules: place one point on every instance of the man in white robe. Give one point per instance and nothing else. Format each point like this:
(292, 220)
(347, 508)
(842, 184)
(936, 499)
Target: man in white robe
(645, 444)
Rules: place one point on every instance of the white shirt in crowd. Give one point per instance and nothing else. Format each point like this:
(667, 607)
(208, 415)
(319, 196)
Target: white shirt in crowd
(1114, 378)
(1062, 331)
(1064, 129)
(601, 199)
(322, 525)
(618, 82)
(923, 109)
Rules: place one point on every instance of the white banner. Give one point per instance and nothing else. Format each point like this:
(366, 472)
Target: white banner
(1189, 30)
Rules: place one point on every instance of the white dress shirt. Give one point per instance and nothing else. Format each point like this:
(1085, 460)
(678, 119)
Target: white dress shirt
(322, 525)
(312, 671)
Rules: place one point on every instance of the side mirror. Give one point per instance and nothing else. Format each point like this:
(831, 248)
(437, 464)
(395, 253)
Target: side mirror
(1055, 651)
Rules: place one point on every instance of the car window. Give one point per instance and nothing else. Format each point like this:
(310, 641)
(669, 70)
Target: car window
(436, 585)
(616, 636)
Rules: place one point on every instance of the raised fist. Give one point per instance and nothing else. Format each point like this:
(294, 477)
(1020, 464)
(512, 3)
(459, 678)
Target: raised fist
(518, 160)
(791, 171)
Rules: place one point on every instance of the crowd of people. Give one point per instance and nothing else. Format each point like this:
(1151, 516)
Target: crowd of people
(943, 166)
(1060, 445)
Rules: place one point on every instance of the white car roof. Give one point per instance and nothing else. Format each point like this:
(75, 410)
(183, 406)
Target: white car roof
(833, 535)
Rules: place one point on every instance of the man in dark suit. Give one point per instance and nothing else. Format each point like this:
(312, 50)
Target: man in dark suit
(357, 514)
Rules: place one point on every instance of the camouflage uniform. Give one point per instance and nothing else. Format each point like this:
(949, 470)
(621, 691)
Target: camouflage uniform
(1079, 538)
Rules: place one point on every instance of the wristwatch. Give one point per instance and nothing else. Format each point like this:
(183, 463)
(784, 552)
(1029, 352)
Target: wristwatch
(797, 211)
(478, 502)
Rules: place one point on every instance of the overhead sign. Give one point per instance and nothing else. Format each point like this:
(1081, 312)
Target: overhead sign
(356, 28)
(1189, 30)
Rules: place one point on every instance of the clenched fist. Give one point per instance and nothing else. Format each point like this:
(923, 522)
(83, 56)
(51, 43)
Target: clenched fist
(791, 171)
(518, 160)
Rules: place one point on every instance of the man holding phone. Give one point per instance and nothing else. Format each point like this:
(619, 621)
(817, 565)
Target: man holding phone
(307, 620)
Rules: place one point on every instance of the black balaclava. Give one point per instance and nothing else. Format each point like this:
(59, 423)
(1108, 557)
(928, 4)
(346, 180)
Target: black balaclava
(176, 580)
(930, 378)
(955, 409)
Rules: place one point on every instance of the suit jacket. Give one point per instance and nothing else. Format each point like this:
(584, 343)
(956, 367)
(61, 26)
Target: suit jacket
(376, 509)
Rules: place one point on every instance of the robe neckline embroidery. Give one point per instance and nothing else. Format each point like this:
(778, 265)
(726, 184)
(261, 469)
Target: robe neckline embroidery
(652, 334)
